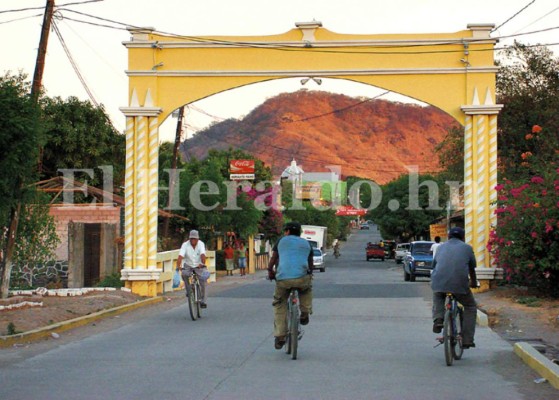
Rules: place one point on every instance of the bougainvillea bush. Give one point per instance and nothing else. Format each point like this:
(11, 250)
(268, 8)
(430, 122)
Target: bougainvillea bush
(525, 242)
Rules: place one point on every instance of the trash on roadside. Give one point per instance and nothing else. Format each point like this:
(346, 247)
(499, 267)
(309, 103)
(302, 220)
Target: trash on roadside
(55, 335)
(540, 380)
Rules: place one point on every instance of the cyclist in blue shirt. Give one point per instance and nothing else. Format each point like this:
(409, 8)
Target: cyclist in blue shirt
(291, 266)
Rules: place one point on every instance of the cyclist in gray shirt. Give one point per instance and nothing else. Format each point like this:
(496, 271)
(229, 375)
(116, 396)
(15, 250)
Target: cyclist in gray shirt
(454, 262)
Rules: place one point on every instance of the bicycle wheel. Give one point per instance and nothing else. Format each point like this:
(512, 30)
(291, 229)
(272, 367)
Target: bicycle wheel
(198, 299)
(191, 296)
(294, 332)
(457, 349)
(288, 323)
(447, 338)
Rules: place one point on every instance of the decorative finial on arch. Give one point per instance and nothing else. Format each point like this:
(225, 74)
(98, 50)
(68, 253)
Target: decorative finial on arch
(475, 99)
(134, 99)
(488, 98)
(308, 29)
(149, 100)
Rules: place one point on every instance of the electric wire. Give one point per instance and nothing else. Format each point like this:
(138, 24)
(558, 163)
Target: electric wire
(514, 16)
(73, 63)
(538, 19)
(297, 47)
(20, 19)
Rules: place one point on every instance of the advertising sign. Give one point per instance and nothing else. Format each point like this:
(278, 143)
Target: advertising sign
(241, 169)
(350, 211)
(438, 230)
(308, 191)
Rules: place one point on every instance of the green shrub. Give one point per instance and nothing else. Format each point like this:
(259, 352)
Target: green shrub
(112, 280)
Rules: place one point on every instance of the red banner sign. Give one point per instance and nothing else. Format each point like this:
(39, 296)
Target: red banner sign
(350, 211)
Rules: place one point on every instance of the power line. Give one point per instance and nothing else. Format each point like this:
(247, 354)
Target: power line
(41, 8)
(538, 19)
(74, 65)
(515, 15)
(19, 19)
(298, 47)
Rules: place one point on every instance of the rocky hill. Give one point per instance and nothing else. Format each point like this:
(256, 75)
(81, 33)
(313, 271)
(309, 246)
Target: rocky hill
(374, 139)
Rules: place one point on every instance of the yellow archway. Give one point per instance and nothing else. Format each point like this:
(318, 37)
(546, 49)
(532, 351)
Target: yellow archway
(451, 71)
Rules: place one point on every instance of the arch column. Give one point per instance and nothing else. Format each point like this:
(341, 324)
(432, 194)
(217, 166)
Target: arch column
(140, 272)
(480, 177)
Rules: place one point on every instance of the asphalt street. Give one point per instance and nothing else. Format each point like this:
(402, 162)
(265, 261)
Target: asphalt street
(369, 338)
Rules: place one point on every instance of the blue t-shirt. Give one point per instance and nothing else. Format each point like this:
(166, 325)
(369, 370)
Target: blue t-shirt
(294, 254)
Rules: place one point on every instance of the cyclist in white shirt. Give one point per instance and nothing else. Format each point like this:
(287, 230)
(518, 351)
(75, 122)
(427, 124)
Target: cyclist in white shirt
(192, 258)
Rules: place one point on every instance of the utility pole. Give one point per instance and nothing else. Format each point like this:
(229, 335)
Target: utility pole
(6, 262)
(173, 175)
(42, 52)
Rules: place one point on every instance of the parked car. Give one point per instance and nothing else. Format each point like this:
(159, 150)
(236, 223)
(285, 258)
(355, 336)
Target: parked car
(364, 226)
(418, 261)
(374, 251)
(400, 252)
(318, 260)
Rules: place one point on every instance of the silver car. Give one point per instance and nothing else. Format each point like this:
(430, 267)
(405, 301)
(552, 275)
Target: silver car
(318, 260)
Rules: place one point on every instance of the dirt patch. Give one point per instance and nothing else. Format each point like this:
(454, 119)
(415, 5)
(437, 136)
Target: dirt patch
(516, 315)
(58, 309)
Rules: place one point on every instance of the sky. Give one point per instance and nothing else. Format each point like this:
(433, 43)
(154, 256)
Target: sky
(101, 59)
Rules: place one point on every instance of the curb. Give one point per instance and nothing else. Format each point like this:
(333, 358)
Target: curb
(7, 341)
(531, 357)
(482, 319)
(539, 363)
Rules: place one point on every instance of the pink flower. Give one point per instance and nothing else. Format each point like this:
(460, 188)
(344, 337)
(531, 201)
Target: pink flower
(500, 186)
(534, 235)
(537, 179)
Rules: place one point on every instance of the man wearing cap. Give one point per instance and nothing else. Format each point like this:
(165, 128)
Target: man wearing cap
(192, 258)
(454, 261)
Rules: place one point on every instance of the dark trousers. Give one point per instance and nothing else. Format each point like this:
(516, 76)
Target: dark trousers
(470, 312)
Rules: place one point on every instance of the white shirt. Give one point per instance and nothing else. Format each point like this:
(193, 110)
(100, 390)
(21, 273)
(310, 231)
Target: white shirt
(192, 256)
(434, 248)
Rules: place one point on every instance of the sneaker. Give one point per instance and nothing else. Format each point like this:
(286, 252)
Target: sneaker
(279, 341)
(438, 325)
(468, 345)
(304, 319)
(203, 305)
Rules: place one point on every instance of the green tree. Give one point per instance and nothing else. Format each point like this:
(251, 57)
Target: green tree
(213, 211)
(36, 242)
(528, 86)
(405, 213)
(20, 140)
(80, 136)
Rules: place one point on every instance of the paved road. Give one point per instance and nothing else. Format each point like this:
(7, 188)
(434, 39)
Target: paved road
(369, 338)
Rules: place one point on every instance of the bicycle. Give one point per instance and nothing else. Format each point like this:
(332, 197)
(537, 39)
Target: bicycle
(294, 334)
(193, 293)
(452, 329)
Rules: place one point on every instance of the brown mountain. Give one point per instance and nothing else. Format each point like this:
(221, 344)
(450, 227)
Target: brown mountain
(374, 139)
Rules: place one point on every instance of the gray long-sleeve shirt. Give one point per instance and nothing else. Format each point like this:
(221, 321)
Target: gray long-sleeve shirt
(453, 263)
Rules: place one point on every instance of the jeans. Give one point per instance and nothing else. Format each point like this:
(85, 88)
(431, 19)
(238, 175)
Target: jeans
(281, 294)
(470, 312)
(186, 272)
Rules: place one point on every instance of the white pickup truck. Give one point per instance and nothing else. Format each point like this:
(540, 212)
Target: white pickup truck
(400, 252)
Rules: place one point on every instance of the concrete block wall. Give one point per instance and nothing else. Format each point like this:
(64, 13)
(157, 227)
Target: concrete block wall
(88, 213)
